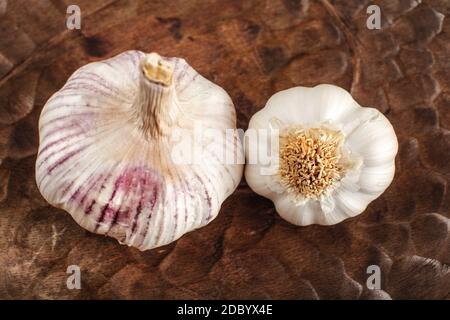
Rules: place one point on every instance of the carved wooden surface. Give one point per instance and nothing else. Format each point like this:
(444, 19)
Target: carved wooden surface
(252, 49)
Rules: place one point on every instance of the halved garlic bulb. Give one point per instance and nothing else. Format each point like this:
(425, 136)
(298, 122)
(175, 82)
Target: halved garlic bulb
(116, 146)
(318, 155)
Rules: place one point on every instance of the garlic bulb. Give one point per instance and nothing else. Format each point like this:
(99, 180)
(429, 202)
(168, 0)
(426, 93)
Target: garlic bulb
(113, 153)
(328, 157)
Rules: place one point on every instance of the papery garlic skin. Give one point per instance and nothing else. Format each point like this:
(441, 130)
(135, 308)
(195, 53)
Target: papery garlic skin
(367, 153)
(106, 145)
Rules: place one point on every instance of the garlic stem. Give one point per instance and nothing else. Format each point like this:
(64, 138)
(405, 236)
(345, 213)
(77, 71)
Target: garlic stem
(157, 70)
(156, 104)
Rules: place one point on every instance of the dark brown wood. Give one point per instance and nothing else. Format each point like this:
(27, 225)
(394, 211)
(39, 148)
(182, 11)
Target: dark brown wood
(252, 49)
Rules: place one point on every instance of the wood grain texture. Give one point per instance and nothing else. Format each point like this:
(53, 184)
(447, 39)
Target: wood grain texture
(252, 49)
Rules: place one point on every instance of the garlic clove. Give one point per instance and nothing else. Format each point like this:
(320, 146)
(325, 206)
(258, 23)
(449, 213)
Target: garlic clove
(108, 149)
(333, 158)
(324, 103)
(351, 202)
(374, 179)
(372, 140)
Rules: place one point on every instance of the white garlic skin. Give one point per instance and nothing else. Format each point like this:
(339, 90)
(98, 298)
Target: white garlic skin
(368, 134)
(95, 162)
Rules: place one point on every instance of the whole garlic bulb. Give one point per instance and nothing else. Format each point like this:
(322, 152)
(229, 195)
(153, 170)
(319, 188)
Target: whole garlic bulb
(328, 156)
(109, 141)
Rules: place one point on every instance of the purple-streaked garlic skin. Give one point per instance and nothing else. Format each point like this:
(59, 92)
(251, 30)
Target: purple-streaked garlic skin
(102, 160)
